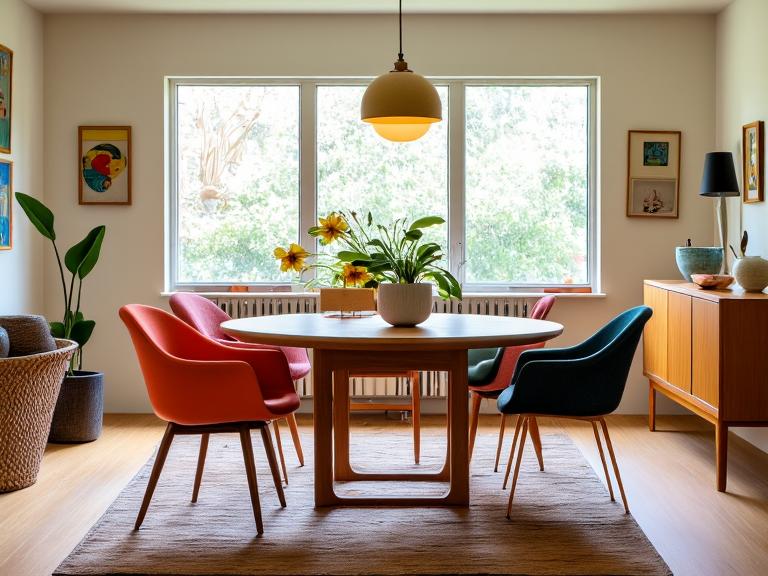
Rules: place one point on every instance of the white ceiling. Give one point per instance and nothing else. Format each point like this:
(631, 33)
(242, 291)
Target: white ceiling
(380, 6)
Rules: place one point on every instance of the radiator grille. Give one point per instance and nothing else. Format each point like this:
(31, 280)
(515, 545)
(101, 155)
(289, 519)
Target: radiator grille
(433, 384)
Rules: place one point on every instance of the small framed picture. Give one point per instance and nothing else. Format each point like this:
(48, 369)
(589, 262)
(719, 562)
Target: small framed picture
(752, 152)
(6, 205)
(6, 86)
(653, 173)
(104, 165)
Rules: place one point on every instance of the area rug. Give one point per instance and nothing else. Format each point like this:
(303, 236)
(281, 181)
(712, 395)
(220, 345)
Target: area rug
(563, 521)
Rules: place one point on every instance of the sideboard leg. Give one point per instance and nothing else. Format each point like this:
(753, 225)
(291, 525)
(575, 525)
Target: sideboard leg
(721, 449)
(651, 407)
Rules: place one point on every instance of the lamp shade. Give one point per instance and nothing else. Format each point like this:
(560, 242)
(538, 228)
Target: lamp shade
(401, 105)
(719, 177)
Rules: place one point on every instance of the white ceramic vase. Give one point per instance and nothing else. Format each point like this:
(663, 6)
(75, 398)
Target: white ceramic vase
(751, 272)
(404, 304)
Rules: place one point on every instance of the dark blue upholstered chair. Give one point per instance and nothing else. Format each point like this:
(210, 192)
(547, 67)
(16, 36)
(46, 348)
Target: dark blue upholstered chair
(584, 382)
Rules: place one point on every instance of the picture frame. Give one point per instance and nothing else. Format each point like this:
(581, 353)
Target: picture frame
(104, 165)
(653, 173)
(6, 204)
(6, 96)
(753, 154)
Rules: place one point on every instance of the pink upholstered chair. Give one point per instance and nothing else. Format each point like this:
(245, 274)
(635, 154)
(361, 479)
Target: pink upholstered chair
(490, 372)
(206, 317)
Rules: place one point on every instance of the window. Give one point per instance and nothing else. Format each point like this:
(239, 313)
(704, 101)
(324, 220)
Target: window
(510, 168)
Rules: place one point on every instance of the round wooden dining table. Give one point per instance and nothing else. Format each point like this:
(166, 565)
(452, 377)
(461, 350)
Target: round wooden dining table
(359, 344)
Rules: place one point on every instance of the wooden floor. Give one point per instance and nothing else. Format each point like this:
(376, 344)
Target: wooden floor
(668, 475)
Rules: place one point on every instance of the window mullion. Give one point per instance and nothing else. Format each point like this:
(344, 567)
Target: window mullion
(308, 168)
(456, 161)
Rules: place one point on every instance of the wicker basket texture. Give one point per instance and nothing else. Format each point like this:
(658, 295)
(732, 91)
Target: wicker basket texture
(29, 387)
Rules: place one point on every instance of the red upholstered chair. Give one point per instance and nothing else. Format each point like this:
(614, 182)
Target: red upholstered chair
(201, 387)
(490, 373)
(206, 317)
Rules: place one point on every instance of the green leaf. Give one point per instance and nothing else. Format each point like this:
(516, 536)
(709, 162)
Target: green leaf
(413, 235)
(426, 222)
(370, 219)
(82, 257)
(81, 331)
(349, 256)
(314, 231)
(38, 213)
(57, 329)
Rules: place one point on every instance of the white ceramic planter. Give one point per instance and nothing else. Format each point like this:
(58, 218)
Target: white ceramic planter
(404, 304)
(751, 272)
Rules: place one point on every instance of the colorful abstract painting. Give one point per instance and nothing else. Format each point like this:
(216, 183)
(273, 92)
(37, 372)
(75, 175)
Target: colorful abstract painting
(6, 206)
(6, 75)
(105, 165)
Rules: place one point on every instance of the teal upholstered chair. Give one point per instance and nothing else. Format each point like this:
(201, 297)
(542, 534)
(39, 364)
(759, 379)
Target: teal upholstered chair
(584, 382)
(490, 371)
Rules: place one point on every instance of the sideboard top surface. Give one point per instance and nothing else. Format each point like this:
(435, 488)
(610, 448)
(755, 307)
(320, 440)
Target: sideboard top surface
(682, 287)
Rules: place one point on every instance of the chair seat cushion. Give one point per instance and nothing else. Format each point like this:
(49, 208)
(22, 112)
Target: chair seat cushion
(284, 404)
(483, 365)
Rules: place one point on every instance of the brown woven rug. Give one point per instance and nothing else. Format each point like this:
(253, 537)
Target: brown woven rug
(563, 521)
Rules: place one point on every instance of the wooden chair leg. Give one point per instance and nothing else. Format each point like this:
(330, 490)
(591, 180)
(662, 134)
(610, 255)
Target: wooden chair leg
(294, 428)
(266, 438)
(200, 465)
(162, 454)
(250, 472)
(517, 464)
(602, 458)
(474, 415)
(518, 424)
(536, 439)
(501, 441)
(615, 464)
(416, 414)
(280, 450)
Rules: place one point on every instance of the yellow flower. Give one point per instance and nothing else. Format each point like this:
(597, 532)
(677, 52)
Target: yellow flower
(331, 227)
(293, 258)
(355, 275)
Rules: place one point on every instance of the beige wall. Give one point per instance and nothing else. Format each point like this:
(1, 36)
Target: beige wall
(21, 269)
(742, 97)
(657, 72)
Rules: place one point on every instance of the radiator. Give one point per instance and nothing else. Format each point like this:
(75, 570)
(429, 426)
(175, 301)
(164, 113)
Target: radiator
(433, 384)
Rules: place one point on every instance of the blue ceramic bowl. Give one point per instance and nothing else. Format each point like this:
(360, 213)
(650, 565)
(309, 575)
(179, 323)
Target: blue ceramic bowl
(698, 260)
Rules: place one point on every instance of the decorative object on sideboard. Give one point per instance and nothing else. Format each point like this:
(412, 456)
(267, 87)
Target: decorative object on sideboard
(78, 414)
(104, 166)
(751, 272)
(719, 181)
(698, 260)
(6, 205)
(5, 343)
(27, 334)
(30, 386)
(712, 281)
(6, 87)
(753, 154)
(401, 105)
(653, 173)
(347, 302)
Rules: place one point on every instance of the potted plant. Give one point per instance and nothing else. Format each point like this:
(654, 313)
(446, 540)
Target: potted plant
(79, 409)
(393, 258)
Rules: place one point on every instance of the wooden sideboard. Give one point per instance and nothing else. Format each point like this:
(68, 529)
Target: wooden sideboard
(708, 351)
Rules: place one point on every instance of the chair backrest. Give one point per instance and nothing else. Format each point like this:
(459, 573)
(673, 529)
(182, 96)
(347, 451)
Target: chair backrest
(542, 307)
(200, 313)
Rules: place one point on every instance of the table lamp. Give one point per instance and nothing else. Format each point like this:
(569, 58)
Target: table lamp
(719, 181)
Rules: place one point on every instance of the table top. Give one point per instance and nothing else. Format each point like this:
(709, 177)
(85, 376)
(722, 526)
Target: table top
(438, 332)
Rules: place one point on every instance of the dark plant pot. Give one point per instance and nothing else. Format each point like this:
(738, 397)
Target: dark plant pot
(79, 409)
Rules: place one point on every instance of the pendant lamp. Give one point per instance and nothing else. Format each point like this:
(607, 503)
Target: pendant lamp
(401, 105)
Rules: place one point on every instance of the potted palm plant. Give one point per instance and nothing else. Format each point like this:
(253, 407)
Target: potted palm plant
(395, 259)
(79, 409)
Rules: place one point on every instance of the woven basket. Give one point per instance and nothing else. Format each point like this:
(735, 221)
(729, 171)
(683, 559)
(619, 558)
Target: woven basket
(29, 387)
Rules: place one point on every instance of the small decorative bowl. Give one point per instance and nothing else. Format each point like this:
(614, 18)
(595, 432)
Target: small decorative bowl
(712, 281)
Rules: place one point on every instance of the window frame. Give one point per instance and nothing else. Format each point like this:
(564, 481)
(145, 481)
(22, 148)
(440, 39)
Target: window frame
(456, 115)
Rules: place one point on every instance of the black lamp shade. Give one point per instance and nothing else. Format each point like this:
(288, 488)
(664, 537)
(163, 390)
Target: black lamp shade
(719, 177)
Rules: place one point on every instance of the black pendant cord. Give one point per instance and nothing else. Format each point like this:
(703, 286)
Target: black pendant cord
(400, 54)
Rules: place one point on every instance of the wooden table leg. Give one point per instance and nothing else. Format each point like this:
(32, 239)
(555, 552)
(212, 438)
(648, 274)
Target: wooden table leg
(322, 393)
(341, 464)
(458, 421)
(721, 454)
(651, 407)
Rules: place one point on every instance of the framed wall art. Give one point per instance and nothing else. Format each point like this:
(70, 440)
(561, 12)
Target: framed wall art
(752, 159)
(6, 205)
(104, 165)
(653, 173)
(6, 86)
